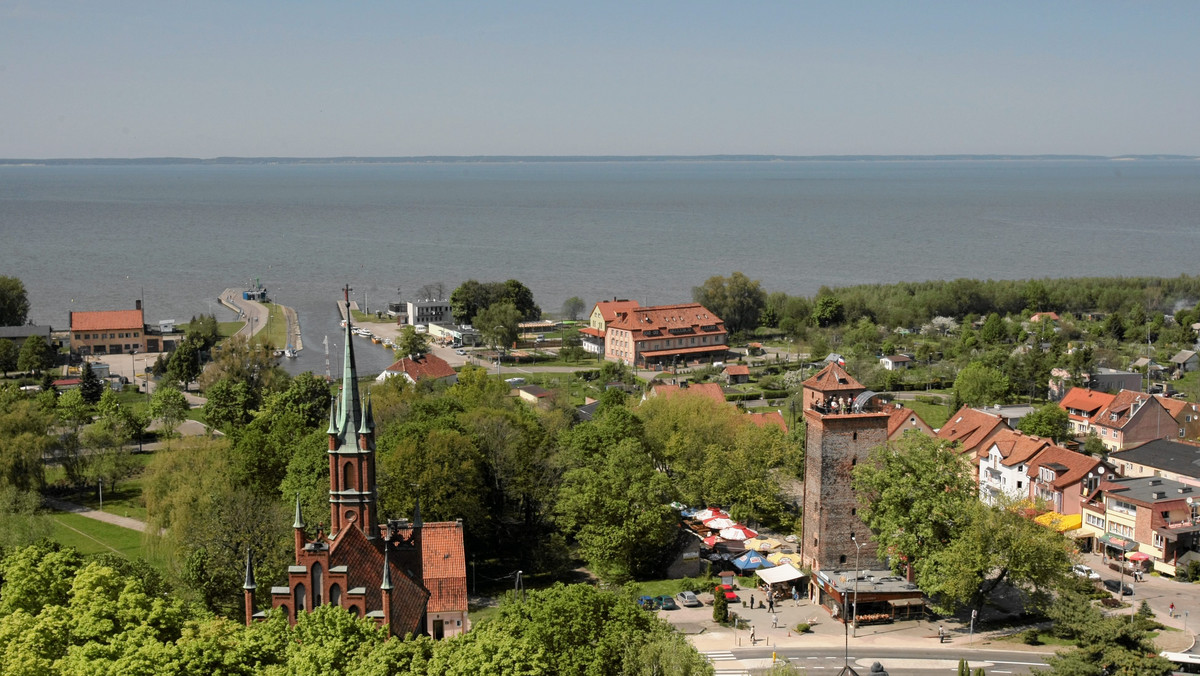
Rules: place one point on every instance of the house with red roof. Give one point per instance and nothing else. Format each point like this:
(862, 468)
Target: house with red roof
(406, 575)
(1063, 478)
(902, 419)
(972, 430)
(664, 334)
(768, 418)
(1050, 316)
(1081, 405)
(109, 331)
(605, 311)
(1186, 415)
(1133, 418)
(1003, 465)
(736, 374)
(421, 367)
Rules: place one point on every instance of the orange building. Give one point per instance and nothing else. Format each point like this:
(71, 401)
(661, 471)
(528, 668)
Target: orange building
(664, 334)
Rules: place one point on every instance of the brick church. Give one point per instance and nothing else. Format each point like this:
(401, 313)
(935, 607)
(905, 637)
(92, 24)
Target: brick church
(409, 576)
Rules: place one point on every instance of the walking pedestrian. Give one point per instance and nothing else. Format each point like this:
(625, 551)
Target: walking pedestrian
(752, 602)
(795, 596)
(771, 603)
(941, 635)
(751, 634)
(1171, 610)
(774, 621)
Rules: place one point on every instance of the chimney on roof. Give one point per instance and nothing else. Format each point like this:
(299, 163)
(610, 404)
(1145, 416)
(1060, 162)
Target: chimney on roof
(137, 304)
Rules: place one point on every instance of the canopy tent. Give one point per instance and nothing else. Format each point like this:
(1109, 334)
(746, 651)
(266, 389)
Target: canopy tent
(1118, 542)
(778, 574)
(737, 532)
(1060, 522)
(751, 561)
(719, 522)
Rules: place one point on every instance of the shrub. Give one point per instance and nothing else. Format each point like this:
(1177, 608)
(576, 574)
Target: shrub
(1030, 637)
(801, 628)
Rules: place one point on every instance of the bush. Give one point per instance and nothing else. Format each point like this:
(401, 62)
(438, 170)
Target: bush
(801, 628)
(720, 606)
(1030, 637)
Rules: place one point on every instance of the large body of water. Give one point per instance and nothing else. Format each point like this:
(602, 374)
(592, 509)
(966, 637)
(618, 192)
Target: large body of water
(98, 237)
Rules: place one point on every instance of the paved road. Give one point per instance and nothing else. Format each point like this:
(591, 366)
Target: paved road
(88, 512)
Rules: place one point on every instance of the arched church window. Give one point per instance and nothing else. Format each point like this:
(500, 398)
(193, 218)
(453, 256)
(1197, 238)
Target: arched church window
(335, 594)
(318, 583)
(348, 476)
(301, 598)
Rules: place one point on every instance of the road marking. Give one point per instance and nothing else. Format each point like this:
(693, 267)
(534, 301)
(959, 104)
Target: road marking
(718, 655)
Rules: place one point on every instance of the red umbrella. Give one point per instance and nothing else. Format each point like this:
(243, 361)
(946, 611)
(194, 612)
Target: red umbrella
(712, 540)
(1138, 556)
(719, 522)
(710, 513)
(737, 532)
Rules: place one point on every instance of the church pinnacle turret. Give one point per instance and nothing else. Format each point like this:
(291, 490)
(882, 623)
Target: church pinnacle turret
(351, 451)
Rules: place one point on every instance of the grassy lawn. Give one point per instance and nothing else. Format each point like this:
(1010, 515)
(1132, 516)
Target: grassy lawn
(227, 329)
(126, 500)
(363, 318)
(90, 536)
(933, 414)
(275, 332)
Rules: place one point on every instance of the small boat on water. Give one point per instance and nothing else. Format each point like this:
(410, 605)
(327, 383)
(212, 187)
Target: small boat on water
(376, 339)
(290, 352)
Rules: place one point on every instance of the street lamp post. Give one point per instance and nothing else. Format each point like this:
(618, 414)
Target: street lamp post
(498, 329)
(857, 549)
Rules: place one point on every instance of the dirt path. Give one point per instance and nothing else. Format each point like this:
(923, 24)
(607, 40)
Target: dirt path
(88, 512)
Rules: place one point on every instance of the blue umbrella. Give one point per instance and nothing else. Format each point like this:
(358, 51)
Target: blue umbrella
(752, 560)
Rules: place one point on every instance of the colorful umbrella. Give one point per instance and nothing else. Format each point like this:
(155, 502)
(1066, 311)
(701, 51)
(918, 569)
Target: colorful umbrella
(752, 561)
(711, 541)
(710, 513)
(763, 544)
(718, 523)
(1137, 556)
(737, 532)
(781, 558)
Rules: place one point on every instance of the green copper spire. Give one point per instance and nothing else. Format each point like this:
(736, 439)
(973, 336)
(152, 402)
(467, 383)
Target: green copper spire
(350, 406)
(249, 585)
(332, 416)
(386, 585)
(299, 522)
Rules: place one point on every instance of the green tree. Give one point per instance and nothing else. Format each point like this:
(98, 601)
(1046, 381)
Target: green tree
(204, 331)
(572, 307)
(498, 324)
(411, 343)
(168, 406)
(89, 384)
(472, 297)
(736, 300)
(228, 405)
(980, 385)
(994, 330)
(618, 509)
(720, 610)
(36, 355)
(14, 303)
(1049, 421)
(24, 439)
(1094, 446)
(828, 311)
(8, 356)
(184, 364)
(307, 396)
(915, 493)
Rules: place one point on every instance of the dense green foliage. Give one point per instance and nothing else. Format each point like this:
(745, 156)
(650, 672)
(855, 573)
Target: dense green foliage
(14, 302)
(736, 300)
(472, 296)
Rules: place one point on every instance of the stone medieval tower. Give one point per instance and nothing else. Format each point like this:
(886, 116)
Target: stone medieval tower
(844, 424)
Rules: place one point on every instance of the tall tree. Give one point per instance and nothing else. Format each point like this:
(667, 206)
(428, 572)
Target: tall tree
(980, 385)
(8, 356)
(411, 343)
(14, 303)
(89, 384)
(737, 300)
(572, 307)
(184, 364)
(36, 355)
(498, 324)
(1049, 421)
(169, 406)
(472, 297)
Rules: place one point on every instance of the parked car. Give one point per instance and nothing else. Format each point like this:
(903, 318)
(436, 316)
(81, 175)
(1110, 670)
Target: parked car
(1083, 571)
(1114, 585)
(688, 599)
(460, 352)
(665, 602)
(647, 603)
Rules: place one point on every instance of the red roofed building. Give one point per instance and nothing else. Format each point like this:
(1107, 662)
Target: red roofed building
(1186, 415)
(1132, 418)
(972, 430)
(901, 420)
(737, 373)
(768, 418)
(409, 576)
(645, 336)
(1064, 478)
(711, 390)
(1002, 468)
(1081, 404)
(423, 367)
(602, 313)
(108, 331)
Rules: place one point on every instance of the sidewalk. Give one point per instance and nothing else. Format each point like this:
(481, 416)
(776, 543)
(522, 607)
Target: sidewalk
(88, 512)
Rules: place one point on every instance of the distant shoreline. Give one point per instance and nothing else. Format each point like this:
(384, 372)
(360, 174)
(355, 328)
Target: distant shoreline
(508, 159)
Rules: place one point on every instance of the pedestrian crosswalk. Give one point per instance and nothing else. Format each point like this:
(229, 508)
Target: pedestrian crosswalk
(718, 655)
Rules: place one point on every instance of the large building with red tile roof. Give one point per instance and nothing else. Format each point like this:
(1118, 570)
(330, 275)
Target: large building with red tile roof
(1132, 418)
(902, 419)
(602, 313)
(665, 334)
(972, 430)
(108, 331)
(711, 390)
(421, 367)
(409, 576)
(1081, 404)
(1063, 478)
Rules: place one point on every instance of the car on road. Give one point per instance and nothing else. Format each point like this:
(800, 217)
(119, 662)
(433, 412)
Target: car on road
(665, 602)
(460, 352)
(1114, 586)
(1083, 571)
(688, 599)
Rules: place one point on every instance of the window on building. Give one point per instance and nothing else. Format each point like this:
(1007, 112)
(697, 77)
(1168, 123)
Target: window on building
(1020, 484)
(301, 598)
(335, 594)
(1095, 520)
(1159, 541)
(318, 582)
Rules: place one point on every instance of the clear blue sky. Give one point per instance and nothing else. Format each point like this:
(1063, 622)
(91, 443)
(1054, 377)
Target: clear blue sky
(258, 77)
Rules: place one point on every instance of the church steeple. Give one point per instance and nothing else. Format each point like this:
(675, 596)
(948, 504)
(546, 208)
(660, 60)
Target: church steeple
(248, 588)
(351, 450)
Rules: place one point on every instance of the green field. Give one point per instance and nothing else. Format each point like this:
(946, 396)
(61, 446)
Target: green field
(90, 536)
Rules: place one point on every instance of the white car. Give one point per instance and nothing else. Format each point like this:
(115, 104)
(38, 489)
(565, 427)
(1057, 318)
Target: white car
(1083, 571)
(460, 352)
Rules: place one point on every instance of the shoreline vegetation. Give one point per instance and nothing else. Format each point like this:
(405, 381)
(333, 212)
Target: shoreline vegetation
(500, 159)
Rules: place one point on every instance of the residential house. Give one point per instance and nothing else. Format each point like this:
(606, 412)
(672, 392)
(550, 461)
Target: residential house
(538, 396)
(1112, 380)
(711, 390)
(1062, 478)
(895, 362)
(1051, 316)
(665, 334)
(19, 334)
(901, 420)
(973, 431)
(1184, 361)
(605, 311)
(421, 367)
(768, 418)
(1132, 418)
(422, 312)
(1010, 414)
(737, 374)
(1004, 465)
(1152, 515)
(1186, 415)
(1162, 457)
(1081, 405)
